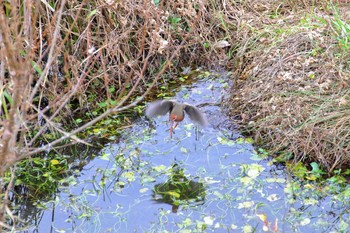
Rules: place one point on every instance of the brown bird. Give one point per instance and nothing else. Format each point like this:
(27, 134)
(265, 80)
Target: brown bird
(176, 112)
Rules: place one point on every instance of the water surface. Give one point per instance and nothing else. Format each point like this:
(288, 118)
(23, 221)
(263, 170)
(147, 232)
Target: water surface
(243, 192)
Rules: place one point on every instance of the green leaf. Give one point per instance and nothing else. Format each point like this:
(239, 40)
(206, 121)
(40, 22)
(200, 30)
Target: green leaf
(105, 156)
(240, 141)
(148, 179)
(112, 89)
(174, 20)
(8, 97)
(159, 168)
(225, 141)
(37, 68)
(218, 194)
(54, 162)
(156, 2)
(247, 181)
(182, 79)
(102, 104)
(249, 140)
(256, 157)
(184, 150)
(254, 170)
(130, 176)
(283, 157)
(245, 205)
(143, 190)
(92, 13)
(298, 169)
(315, 167)
(173, 194)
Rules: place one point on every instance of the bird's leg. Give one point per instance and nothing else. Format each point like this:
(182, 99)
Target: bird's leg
(171, 129)
(177, 123)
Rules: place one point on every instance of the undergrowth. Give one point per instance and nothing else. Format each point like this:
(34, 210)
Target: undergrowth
(292, 89)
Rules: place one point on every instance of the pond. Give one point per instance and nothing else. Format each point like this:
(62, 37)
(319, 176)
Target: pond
(200, 180)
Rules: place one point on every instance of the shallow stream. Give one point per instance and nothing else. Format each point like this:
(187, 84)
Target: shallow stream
(234, 188)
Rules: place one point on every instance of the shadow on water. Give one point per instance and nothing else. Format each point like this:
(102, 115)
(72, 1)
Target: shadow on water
(201, 180)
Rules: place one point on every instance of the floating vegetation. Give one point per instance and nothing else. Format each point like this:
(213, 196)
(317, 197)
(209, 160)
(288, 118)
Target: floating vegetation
(179, 189)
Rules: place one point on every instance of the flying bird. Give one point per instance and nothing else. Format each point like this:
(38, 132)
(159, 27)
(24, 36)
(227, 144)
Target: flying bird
(176, 112)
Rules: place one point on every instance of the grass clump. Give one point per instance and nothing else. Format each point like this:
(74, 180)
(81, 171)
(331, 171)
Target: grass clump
(292, 82)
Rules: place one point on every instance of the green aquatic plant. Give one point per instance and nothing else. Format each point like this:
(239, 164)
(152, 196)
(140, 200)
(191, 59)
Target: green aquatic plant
(40, 177)
(179, 189)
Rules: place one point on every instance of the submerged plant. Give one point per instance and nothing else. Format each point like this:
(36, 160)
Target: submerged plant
(179, 189)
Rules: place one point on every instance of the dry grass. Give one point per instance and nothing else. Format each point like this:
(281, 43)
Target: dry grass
(75, 56)
(292, 82)
(68, 58)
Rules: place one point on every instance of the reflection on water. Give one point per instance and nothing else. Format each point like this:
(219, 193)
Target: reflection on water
(201, 180)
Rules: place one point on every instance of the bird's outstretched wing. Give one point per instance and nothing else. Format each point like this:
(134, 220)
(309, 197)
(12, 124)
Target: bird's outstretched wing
(160, 107)
(196, 115)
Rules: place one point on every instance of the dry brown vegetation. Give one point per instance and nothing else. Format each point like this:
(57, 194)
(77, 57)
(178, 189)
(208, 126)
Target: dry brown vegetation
(60, 59)
(292, 80)
(65, 57)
